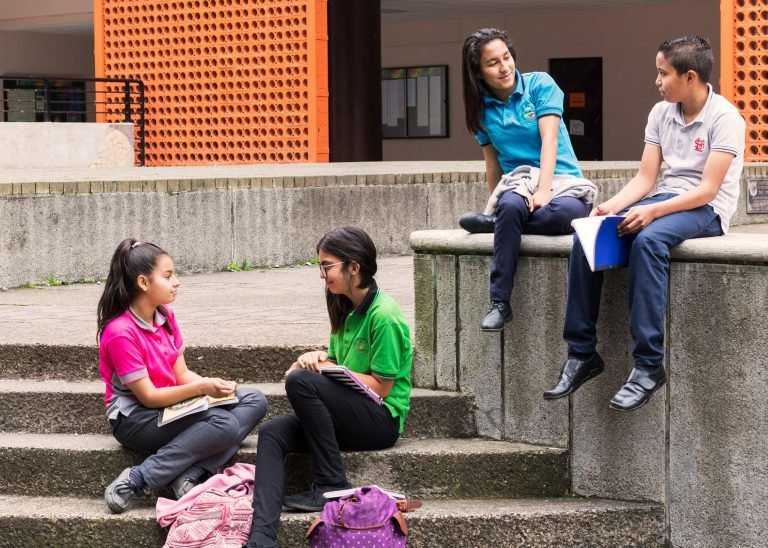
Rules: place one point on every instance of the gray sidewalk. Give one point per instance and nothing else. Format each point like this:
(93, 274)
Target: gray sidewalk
(276, 306)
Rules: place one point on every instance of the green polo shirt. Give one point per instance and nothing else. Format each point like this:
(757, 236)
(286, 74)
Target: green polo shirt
(375, 339)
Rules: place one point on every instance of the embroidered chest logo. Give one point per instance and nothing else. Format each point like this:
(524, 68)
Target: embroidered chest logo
(529, 114)
(698, 145)
(360, 345)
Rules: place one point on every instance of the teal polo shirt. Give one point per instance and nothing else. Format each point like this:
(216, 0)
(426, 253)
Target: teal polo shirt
(513, 130)
(375, 339)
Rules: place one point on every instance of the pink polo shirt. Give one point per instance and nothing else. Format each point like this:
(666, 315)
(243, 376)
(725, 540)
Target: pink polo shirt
(130, 349)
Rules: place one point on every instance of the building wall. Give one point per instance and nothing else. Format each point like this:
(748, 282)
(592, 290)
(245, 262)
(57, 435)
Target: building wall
(625, 37)
(46, 54)
(226, 83)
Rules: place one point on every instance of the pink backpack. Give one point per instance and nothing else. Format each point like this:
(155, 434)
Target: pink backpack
(217, 519)
(367, 518)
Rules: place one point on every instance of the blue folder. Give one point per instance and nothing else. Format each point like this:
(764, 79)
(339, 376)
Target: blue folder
(599, 237)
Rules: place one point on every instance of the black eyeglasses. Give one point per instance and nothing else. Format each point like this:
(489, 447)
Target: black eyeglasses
(324, 267)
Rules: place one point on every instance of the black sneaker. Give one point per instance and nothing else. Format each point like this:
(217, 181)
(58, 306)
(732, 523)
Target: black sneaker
(499, 314)
(312, 500)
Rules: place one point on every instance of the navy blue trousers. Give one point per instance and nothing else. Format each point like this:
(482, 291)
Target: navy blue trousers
(647, 284)
(513, 219)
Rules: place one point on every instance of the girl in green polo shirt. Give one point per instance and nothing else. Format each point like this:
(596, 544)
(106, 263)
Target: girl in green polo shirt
(369, 335)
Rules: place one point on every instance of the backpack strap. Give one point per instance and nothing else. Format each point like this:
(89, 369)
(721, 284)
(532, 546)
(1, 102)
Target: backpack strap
(400, 520)
(408, 505)
(318, 521)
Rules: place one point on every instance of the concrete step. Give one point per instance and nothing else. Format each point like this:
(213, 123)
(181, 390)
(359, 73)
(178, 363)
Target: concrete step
(83, 465)
(84, 523)
(78, 363)
(51, 406)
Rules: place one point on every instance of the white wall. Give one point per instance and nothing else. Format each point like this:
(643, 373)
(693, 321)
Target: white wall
(625, 37)
(46, 54)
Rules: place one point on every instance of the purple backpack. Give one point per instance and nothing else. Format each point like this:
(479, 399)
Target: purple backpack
(367, 518)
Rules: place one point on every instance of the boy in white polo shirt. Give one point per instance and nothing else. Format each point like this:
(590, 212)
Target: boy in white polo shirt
(700, 136)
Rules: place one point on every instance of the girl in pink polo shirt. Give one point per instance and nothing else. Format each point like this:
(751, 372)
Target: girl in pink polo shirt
(141, 361)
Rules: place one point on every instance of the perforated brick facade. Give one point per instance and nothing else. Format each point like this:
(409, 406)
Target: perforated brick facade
(744, 61)
(227, 81)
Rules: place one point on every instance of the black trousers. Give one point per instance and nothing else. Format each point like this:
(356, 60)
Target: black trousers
(327, 417)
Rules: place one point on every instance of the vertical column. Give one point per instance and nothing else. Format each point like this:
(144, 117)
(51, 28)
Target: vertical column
(718, 451)
(615, 454)
(480, 367)
(354, 76)
(424, 293)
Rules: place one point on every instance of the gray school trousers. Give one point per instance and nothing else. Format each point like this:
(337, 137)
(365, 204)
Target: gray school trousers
(206, 440)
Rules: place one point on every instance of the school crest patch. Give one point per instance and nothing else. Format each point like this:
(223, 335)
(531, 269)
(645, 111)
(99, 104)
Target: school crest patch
(360, 345)
(529, 114)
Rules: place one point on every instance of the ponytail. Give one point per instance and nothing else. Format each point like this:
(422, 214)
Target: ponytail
(130, 260)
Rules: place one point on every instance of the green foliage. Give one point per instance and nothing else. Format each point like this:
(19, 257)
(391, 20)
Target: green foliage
(243, 266)
(53, 282)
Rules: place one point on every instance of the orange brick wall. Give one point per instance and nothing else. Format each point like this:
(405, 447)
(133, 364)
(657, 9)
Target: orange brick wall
(744, 68)
(227, 81)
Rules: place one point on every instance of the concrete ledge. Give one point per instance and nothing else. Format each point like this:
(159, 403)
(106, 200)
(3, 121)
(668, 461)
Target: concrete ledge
(431, 468)
(78, 408)
(83, 523)
(66, 224)
(699, 446)
(736, 248)
(253, 364)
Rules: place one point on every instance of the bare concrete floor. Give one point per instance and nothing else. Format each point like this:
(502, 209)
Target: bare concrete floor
(260, 307)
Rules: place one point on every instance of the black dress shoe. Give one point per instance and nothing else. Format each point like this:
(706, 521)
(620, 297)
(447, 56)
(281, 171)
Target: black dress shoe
(638, 389)
(499, 314)
(477, 223)
(575, 372)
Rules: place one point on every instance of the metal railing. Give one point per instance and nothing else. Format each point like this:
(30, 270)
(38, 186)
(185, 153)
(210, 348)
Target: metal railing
(32, 98)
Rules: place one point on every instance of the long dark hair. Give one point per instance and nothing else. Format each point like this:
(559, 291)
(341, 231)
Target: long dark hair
(348, 243)
(474, 86)
(130, 260)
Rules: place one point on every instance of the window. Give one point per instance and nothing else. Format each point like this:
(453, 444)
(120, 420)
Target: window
(414, 102)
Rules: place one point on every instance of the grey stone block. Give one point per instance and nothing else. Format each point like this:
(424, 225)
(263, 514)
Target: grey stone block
(78, 408)
(533, 353)
(84, 523)
(446, 332)
(79, 363)
(718, 449)
(615, 454)
(446, 202)
(431, 468)
(480, 367)
(424, 309)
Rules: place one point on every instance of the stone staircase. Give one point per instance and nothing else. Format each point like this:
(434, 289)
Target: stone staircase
(57, 455)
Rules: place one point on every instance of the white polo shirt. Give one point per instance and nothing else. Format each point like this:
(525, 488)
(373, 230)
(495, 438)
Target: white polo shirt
(686, 147)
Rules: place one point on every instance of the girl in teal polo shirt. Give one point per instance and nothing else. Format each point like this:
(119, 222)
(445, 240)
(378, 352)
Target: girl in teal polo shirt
(517, 119)
(369, 335)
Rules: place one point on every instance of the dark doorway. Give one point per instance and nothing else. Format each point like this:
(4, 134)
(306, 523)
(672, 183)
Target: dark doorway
(354, 80)
(581, 79)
